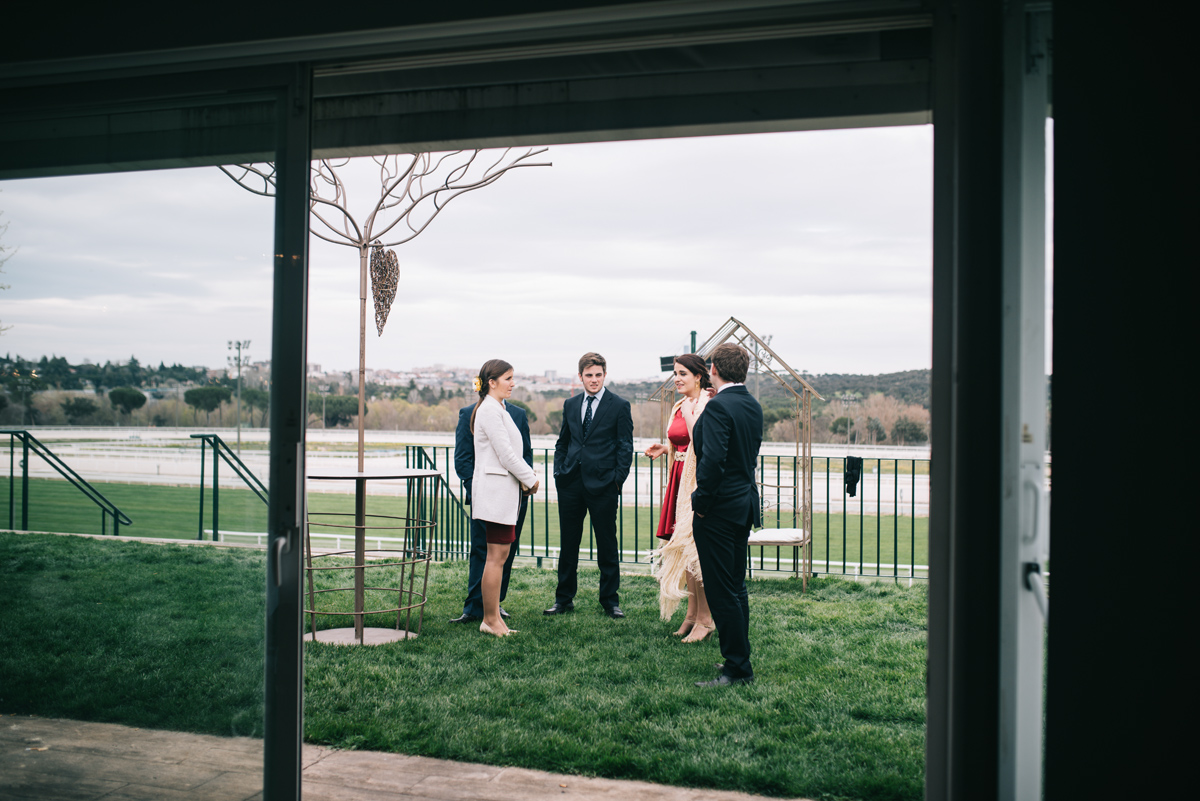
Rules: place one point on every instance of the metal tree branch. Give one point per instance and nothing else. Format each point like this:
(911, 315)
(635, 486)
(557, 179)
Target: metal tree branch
(414, 189)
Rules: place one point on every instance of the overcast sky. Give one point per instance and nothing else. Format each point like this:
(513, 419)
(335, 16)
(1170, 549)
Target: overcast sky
(822, 239)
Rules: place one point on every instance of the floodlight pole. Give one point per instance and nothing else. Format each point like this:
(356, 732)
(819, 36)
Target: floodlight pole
(239, 346)
(25, 382)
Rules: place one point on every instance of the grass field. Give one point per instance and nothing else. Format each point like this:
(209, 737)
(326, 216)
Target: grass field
(166, 511)
(162, 636)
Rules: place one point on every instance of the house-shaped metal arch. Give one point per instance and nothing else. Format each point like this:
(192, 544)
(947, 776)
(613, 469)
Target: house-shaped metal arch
(765, 361)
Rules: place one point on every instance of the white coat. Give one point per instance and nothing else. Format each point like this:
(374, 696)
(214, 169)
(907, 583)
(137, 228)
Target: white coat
(500, 472)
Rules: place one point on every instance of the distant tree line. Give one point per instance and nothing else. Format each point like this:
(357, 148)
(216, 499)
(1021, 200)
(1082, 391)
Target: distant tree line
(55, 372)
(887, 409)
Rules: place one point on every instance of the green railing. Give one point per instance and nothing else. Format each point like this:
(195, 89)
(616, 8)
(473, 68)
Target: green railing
(221, 451)
(31, 444)
(881, 531)
(451, 537)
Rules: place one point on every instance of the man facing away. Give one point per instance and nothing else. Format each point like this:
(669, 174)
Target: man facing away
(726, 506)
(464, 466)
(591, 461)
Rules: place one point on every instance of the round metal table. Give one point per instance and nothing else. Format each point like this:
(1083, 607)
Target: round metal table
(420, 516)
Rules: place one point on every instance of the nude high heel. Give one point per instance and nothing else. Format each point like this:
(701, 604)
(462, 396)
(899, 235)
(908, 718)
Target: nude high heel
(687, 626)
(700, 633)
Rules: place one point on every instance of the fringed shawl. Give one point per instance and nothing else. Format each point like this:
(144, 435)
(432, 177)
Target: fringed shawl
(676, 557)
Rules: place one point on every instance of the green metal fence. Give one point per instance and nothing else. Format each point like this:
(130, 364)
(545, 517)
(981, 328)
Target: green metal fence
(880, 531)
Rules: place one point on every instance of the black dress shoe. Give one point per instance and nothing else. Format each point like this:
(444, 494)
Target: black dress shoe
(465, 618)
(725, 681)
(504, 614)
(614, 612)
(559, 609)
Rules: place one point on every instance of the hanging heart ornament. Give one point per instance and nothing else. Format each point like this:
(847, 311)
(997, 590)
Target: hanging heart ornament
(385, 276)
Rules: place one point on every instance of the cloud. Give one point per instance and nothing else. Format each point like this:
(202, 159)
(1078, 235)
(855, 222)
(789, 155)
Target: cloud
(820, 238)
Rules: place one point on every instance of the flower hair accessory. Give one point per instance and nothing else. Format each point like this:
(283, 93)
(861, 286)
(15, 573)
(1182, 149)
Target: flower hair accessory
(478, 384)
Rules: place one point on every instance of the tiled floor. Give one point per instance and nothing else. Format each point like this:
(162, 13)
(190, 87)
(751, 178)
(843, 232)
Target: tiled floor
(73, 761)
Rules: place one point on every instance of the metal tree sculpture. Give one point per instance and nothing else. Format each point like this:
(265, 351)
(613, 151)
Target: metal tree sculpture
(414, 188)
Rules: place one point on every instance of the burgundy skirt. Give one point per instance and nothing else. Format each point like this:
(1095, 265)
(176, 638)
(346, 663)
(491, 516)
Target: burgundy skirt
(500, 534)
(666, 520)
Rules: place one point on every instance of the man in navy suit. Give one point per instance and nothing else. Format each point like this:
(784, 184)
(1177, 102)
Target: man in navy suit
(725, 504)
(591, 461)
(464, 466)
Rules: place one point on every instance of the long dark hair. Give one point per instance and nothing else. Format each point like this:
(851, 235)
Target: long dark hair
(696, 366)
(491, 371)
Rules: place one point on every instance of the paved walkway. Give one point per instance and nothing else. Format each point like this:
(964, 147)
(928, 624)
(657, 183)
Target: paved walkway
(73, 761)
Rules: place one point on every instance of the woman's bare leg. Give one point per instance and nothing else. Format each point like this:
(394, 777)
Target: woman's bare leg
(703, 613)
(705, 625)
(689, 619)
(493, 575)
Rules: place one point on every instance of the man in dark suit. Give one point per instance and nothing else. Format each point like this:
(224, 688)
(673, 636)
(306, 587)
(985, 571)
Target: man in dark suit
(725, 504)
(591, 461)
(464, 466)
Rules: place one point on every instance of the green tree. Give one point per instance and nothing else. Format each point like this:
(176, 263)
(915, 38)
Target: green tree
(908, 432)
(774, 411)
(136, 374)
(79, 409)
(126, 399)
(554, 420)
(257, 399)
(339, 409)
(525, 406)
(207, 399)
(875, 430)
(57, 372)
(840, 425)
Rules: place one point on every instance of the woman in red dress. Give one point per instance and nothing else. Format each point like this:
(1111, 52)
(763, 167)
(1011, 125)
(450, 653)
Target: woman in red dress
(675, 563)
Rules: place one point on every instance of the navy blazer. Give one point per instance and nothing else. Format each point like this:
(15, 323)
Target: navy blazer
(605, 457)
(727, 437)
(464, 443)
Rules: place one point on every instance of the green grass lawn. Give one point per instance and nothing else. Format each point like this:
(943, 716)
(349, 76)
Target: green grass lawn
(161, 636)
(166, 511)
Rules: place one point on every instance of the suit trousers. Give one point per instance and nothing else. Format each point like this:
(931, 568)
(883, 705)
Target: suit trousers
(574, 502)
(474, 603)
(721, 546)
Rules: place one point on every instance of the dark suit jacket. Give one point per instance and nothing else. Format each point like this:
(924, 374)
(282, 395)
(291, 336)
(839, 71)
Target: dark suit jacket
(727, 437)
(605, 456)
(464, 443)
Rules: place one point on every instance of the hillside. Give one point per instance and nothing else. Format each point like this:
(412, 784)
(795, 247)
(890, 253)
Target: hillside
(910, 386)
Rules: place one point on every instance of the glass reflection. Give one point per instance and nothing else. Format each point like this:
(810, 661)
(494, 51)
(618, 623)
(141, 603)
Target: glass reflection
(133, 466)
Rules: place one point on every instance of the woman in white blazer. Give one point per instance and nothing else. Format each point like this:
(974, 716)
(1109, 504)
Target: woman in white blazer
(500, 477)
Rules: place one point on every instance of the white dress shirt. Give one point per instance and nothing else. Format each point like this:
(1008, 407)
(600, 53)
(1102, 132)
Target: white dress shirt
(595, 403)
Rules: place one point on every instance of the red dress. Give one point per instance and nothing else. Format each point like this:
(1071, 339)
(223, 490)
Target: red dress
(677, 433)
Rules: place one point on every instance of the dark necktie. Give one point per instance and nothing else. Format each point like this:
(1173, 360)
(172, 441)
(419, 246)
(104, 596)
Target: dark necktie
(587, 416)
